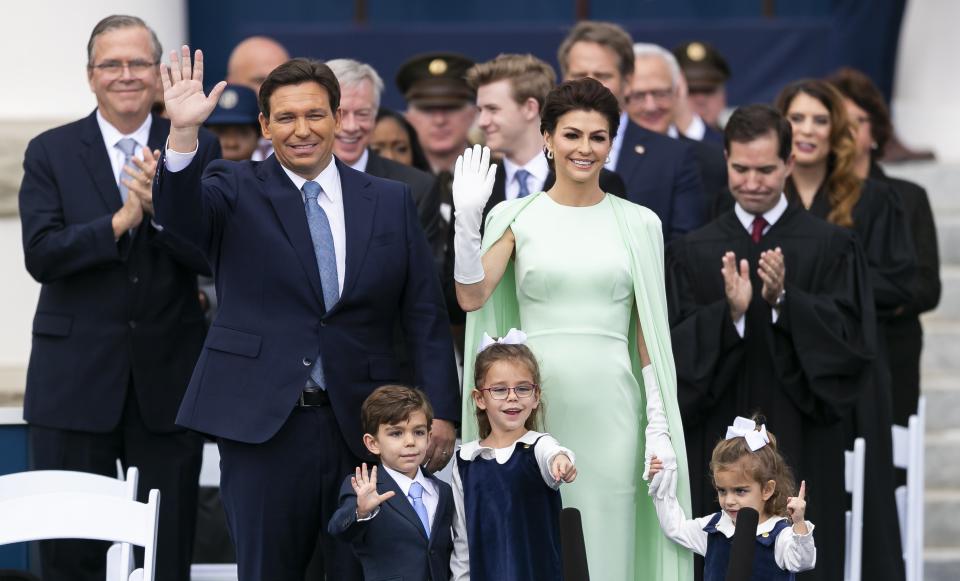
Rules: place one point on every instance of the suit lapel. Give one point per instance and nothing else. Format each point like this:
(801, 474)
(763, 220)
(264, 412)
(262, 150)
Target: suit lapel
(374, 164)
(159, 130)
(445, 501)
(359, 208)
(288, 205)
(94, 156)
(399, 501)
(631, 157)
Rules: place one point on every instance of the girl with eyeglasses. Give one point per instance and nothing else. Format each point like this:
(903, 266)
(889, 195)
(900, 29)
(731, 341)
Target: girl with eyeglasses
(505, 485)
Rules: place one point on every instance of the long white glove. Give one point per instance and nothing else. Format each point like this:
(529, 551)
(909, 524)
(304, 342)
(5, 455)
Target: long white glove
(664, 483)
(473, 179)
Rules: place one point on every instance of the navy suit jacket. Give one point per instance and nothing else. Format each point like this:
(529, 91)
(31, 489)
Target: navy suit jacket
(249, 218)
(393, 545)
(109, 311)
(662, 174)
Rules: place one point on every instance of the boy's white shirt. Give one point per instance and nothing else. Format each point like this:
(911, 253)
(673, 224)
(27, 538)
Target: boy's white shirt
(792, 552)
(545, 450)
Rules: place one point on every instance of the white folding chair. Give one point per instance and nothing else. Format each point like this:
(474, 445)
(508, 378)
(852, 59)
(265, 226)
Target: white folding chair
(120, 555)
(78, 515)
(210, 477)
(853, 478)
(909, 454)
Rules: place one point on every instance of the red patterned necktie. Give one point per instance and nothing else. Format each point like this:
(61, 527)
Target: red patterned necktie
(759, 223)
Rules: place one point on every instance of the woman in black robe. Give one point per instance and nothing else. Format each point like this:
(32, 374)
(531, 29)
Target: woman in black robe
(824, 182)
(904, 334)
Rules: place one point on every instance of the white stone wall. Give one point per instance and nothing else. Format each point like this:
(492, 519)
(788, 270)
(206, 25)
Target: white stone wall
(927, 88)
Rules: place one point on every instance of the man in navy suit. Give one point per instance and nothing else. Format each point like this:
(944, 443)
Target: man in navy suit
(660, 173)
(314, 264)
(398, 518)
(118, 326)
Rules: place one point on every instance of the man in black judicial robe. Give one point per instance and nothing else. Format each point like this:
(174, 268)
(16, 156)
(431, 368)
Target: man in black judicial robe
(786, 329)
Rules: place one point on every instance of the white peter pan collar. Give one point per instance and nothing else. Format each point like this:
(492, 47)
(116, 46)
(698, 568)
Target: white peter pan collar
(471, 450)
(726, 525)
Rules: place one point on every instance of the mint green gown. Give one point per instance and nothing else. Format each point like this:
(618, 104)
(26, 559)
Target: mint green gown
(572, 288)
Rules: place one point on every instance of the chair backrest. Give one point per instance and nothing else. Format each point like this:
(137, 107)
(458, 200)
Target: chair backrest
(909, 453)
(120, 561)
(73, 515)
(47, 481)
(854, 482)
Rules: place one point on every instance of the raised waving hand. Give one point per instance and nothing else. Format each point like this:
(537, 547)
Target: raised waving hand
(186, 104)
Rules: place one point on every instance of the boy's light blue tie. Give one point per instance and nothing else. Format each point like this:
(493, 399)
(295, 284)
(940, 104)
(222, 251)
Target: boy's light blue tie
(416, 499)
(326, 259)
(522, 176)
(128, 146)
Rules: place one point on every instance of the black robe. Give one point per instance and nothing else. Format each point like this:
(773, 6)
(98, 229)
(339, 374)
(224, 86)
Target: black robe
(904, 334)
(804, 373)
(880, 227)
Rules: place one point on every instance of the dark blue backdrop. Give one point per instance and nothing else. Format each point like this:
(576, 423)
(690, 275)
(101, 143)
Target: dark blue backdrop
(806, 38)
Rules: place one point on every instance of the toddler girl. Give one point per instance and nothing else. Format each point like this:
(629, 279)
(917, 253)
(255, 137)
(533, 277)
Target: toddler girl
(747, 471)
(505, 485)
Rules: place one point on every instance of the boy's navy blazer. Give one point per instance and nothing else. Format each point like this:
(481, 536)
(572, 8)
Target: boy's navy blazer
(393, 544)
(249, 219)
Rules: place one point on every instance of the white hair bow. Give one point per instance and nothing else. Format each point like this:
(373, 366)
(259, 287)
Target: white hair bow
(513, 337)
(747, 428)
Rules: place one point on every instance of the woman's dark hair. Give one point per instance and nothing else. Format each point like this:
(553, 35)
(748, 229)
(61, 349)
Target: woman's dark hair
(296, 72)
(519, 354)
(419, 158)
(751, 122)
(843, 185)
(585, 94)
(761, 466)
(858, 87)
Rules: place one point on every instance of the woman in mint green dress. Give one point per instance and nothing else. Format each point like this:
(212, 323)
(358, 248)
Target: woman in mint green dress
(581, 272)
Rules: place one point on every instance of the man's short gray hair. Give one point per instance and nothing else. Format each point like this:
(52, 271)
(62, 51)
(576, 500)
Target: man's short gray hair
(116, 22)
(351, 72)
(646, 49)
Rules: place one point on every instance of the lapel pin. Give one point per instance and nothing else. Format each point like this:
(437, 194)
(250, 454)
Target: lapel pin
(640, 149)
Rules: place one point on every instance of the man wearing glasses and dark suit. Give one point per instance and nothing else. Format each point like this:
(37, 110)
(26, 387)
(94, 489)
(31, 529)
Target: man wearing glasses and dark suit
(118, 325)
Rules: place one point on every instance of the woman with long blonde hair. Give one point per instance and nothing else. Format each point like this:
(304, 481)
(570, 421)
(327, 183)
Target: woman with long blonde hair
(825, 182)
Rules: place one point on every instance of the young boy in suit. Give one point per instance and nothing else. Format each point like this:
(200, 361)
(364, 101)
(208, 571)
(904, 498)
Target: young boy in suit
(397, 517)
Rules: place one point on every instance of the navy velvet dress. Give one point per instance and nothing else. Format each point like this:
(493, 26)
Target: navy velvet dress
(764, 563)
(512, 519)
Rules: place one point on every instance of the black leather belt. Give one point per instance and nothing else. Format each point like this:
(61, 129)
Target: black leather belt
(312, 397)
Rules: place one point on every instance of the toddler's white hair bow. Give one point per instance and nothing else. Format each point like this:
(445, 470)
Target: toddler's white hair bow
(513, 337)
(747, 428)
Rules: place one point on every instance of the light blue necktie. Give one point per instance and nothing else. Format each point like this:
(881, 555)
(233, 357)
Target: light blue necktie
(416, 499)
(326, 259)
(522, 176)
(128, 146)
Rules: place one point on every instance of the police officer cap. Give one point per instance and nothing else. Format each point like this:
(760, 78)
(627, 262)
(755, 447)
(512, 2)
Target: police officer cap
(703, 66)
(237, 106)
(436, 79)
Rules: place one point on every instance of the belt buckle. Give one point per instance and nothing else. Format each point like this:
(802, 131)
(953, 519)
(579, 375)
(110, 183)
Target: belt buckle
(300, 400)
